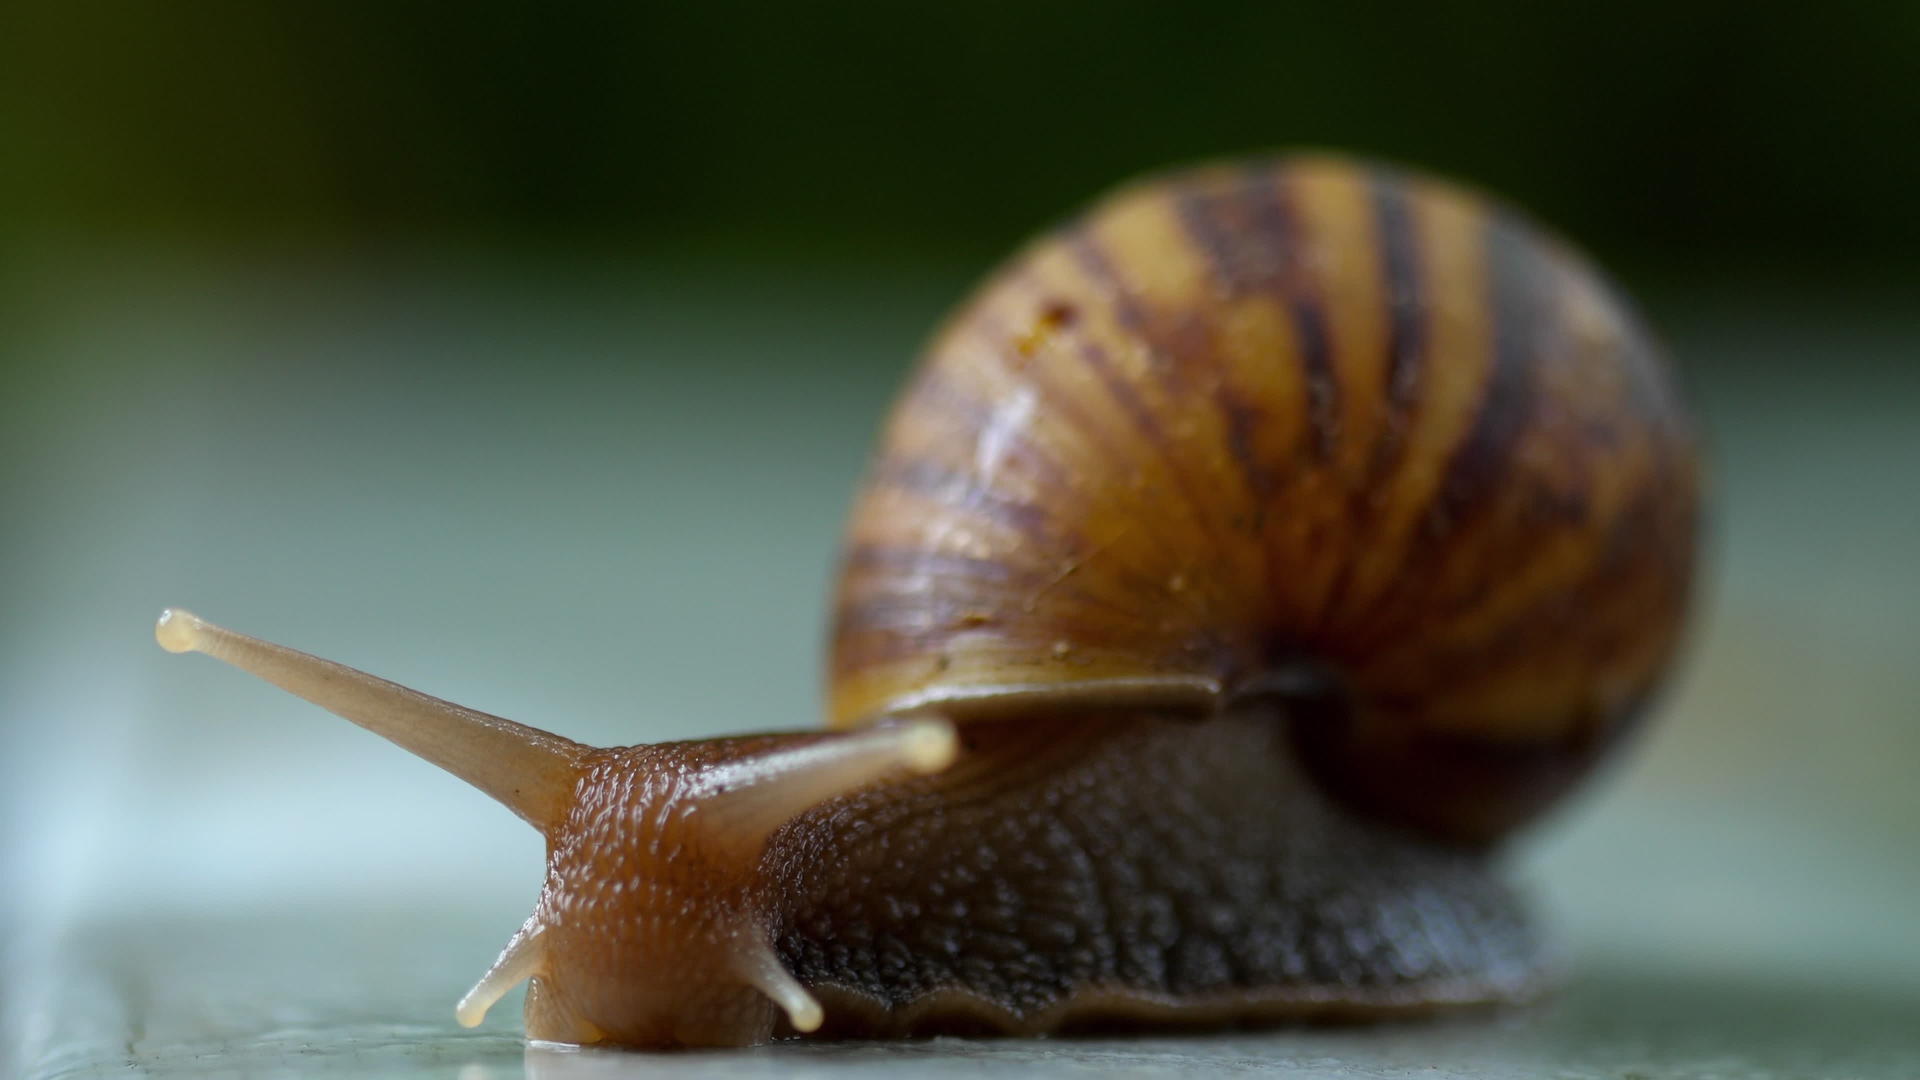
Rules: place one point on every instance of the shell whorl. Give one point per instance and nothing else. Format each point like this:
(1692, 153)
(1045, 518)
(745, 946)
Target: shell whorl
(1293, 425)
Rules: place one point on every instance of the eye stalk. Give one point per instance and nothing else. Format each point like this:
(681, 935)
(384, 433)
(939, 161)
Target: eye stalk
(744, 800)
(531, 772)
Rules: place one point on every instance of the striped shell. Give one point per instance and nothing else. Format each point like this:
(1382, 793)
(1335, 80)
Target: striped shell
(1306, 427)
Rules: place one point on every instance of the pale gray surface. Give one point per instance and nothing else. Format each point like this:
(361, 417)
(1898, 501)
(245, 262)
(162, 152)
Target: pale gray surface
(363, 996)
(607, 504)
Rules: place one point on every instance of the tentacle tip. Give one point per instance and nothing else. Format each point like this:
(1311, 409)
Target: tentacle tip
(178, 630)
(517, 963)
(763, 970)
(805, 1016)
(929, 745)
(469, 1015)
(802, 1008)
(474, 1005)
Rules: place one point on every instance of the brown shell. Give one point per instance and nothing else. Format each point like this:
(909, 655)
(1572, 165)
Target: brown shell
(1305, 427)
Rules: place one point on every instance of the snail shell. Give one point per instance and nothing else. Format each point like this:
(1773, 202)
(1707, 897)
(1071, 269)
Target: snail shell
(1305, 526)
(1306, 428)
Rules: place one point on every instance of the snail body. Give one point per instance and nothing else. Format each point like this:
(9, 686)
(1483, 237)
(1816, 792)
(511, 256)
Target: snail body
(1244, 562)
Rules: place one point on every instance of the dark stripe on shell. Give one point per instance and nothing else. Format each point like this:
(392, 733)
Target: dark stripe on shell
(1408, 336)
(1093, 261)
(1211, 237)
(1272, 210)
(1518, 312)
(1406, 312)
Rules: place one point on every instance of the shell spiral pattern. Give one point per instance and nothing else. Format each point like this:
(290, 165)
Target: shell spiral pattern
(1303, 427)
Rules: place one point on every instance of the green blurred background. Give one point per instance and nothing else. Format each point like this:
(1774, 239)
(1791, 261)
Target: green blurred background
(529, 356)
(1723, 134)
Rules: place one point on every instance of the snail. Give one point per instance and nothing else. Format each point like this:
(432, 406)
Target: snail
(1242, 565)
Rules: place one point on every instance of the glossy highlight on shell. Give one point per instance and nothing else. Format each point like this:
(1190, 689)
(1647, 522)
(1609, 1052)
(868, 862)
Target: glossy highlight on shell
(1243, 562)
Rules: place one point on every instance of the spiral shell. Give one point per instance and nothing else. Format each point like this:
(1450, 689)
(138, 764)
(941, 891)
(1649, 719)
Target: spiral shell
(1304, 427)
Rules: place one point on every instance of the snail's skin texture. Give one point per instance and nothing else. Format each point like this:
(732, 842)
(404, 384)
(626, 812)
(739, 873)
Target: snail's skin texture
(1107, 869)
(1245, 561)
(1065, 872)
